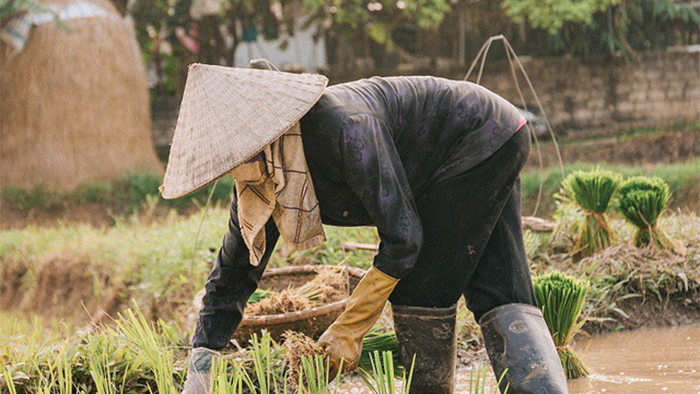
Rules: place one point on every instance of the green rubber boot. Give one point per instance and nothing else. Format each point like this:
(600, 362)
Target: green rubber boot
(199, 371)
(518, 341)
(428, 334)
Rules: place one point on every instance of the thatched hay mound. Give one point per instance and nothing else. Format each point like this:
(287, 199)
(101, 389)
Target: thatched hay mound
(74, 104)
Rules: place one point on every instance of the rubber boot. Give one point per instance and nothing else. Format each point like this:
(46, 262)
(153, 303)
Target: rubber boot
(429, 335)
(518, 341)
(199, 372)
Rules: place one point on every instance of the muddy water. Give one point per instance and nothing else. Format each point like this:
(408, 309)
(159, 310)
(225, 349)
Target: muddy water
(657, 360)
(654, 360)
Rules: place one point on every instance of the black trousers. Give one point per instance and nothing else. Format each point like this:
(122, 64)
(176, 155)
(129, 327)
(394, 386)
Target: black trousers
(472, 246)
(472, 238)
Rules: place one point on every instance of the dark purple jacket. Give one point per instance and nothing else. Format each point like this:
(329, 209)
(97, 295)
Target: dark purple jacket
(374, 145)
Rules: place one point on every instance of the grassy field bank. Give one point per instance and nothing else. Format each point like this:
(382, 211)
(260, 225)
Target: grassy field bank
(106, 203)
(71, 271)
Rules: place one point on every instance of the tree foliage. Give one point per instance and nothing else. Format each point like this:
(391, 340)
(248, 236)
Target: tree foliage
(551, 15)
(583, 27)
(378, 18)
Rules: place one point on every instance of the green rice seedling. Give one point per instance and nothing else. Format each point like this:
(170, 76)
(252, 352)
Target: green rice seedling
(146, 345)
(642, 201)
(478, 381)
(100, 369)
(227, 380)
(592, 191)
(381, 378)
(259, 294)
(314, 376)
(561, 298)
(378, 341)
(61, 371)
(9, 383)
(267, 365)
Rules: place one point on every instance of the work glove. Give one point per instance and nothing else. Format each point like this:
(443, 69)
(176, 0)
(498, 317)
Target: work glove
(199, 371)
(343, 339)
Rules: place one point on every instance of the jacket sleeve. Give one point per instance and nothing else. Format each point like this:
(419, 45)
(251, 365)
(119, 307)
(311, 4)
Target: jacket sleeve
(373, 170)
(231, 282)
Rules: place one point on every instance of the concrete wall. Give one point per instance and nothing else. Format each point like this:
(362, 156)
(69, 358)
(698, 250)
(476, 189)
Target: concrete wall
(595, 96)
(598, 96)
(605, 95)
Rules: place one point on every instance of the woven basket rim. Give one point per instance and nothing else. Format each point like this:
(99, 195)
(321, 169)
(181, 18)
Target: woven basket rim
(268, 320)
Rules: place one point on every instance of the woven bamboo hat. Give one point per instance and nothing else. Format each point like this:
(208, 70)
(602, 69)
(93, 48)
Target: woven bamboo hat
(227, 116)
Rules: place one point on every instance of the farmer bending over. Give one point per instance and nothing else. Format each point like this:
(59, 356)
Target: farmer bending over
(434, 164)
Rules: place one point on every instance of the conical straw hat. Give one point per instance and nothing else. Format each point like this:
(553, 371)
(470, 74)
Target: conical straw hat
(228, 115)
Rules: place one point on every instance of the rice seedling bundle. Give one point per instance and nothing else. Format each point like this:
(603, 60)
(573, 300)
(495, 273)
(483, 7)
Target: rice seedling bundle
(301, 352)
(561, 299)
(328, 286)
(592, 191)
(299, 347)
(377, 341)
(642, 201)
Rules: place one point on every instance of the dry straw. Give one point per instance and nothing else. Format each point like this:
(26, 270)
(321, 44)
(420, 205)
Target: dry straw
(74, 104)
(228, 115)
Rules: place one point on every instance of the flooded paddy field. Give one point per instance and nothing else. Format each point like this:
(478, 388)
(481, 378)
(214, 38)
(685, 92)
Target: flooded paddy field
(647, 360)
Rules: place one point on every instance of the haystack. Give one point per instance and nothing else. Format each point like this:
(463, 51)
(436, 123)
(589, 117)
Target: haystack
(74, 103)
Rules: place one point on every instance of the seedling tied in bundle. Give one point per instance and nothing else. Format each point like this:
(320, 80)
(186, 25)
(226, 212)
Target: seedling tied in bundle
(593, 192)
(642, 201)
(328, 286)
(561, 299)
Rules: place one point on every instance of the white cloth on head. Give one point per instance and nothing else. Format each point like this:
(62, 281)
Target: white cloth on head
(16, 32)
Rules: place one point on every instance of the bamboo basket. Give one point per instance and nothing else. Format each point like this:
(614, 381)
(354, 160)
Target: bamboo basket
(312, 322)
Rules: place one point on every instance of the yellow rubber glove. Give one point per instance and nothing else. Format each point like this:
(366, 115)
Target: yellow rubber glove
(343, 339)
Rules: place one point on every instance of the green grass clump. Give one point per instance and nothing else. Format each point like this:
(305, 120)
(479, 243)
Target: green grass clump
(592, 191)
(39, 196)
(642, 201)
(561, 298)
